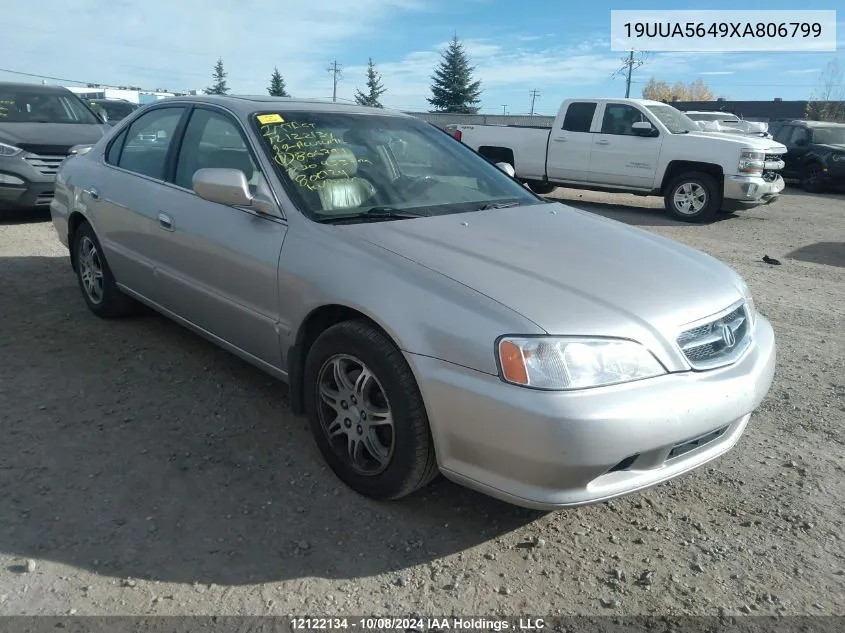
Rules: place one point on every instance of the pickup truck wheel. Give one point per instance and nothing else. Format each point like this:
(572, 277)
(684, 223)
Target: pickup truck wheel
(693, 197)
(366, 412)
(540, 188)
(811, 179)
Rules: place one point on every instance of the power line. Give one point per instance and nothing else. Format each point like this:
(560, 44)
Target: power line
(629, 64)
(534, 95)
(335, 70)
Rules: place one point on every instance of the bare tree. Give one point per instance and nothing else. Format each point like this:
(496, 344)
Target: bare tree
(827, 102)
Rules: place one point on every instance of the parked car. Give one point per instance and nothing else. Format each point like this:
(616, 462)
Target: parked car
(640, 147)
(115, 109)
(38, 127)
(428, 312)
(816, 153)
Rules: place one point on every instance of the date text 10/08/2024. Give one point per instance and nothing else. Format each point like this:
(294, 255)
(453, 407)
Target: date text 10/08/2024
(416, 624)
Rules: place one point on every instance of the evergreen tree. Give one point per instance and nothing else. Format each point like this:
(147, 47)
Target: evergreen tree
(454, 89)
(219, 87)
(374, 87)
(277, 85)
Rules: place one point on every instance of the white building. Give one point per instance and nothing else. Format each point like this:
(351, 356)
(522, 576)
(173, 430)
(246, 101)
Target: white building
(133, 96)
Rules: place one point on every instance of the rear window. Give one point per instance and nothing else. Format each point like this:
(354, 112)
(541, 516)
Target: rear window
(579, 117)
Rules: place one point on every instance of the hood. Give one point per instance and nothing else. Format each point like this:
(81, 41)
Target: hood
(745, 140)
(33, 135)
(568, 271)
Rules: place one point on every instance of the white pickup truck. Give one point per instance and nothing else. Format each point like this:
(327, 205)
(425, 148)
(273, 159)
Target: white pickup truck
(640, 147)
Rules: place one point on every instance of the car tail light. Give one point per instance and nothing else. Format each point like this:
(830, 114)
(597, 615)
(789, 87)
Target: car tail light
(457, 134)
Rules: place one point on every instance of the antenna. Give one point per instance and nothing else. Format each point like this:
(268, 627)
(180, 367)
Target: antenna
(634, 59)
(335, 70)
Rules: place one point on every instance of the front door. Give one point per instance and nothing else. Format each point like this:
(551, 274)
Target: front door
(217, 264)
(619, 156)
(568, 155)
(796, 151)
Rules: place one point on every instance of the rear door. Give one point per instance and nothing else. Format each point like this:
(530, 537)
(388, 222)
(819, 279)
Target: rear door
(124, 192)
(619, 157)
(217, 265)
(571, 143)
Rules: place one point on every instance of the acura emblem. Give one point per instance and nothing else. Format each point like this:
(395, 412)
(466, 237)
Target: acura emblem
(728, 337)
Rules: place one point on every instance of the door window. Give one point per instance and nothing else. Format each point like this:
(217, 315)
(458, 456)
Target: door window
(781, 135)
(148, 141)
(212, 140)
(579, 117)
(620, 118)
(799, 137)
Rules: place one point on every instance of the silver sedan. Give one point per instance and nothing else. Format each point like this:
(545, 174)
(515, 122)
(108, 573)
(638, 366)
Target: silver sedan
(429, 313)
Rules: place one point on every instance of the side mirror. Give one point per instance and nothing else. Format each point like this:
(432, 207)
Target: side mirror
(507, 168)
(230, 187)
(644, 128)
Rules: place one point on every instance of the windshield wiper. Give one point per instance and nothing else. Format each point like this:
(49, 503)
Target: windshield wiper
(499, 205)
(373, 214)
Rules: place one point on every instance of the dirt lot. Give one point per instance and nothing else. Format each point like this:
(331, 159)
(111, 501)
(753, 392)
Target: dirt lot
(143, 471)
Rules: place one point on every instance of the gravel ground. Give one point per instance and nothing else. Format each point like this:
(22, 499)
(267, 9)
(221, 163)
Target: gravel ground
(144, 471)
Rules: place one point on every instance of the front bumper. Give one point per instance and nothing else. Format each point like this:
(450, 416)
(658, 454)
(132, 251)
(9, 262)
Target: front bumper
(37, 187)
(744, 192)
(548, 450)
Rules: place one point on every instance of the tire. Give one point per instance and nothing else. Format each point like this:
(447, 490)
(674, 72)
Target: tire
(95, 278)
(394, 460)
(811, 178)
(541, 188)
(692, 189)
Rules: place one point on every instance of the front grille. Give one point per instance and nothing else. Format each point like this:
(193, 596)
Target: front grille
(718, 341)
(44, 199)
(46, 165)
(45, 150)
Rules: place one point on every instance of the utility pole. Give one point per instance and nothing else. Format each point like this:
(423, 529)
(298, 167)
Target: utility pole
(629, 64)
(334, 70)
(505, 109)
(534, 95)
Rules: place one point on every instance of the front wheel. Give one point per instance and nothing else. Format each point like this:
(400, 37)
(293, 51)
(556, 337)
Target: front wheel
(693, 197)
(96, 280)
(811, 179)
(366, 412)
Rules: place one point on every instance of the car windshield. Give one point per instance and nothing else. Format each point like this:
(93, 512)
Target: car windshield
(829, 135)
(675, 121)
(344, 166)
(116, 110)
(35, 106)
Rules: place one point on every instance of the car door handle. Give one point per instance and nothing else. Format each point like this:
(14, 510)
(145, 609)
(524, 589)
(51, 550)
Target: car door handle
(602, 142)
(165, 221)
(559, 139)
(93, 193)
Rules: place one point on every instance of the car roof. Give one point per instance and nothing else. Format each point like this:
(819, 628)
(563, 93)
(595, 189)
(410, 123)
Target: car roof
(34, 87)
(244, 105)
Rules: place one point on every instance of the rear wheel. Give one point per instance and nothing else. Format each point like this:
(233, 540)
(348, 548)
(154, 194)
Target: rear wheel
(693, 197)
(541, 188)
(366, 412)
(811, 179)
(95, 278)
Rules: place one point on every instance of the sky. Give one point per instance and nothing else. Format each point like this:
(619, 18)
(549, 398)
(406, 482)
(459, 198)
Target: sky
(559, 48)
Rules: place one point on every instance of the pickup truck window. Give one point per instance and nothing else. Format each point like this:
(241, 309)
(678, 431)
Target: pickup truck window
(799, 134)
(579, 117)
(829, 135)
(339, 165)
(619, 119)
(675, 121)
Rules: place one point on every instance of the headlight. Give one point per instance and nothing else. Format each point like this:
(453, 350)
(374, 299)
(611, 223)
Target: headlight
(838, 158)
(749, 300)
(9, 150)
(565, 363)
(751, 161)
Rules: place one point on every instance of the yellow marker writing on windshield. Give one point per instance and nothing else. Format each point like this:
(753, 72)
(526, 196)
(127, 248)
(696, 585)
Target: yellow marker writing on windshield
(264, 119)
